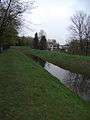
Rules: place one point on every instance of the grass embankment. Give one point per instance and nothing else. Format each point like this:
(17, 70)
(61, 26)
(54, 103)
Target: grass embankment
(74, 63)
(28, 92)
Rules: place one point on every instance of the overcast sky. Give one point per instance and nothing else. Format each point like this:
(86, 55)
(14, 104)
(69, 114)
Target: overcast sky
(53, 16)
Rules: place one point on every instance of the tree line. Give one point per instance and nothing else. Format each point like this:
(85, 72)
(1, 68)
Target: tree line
(11, 21)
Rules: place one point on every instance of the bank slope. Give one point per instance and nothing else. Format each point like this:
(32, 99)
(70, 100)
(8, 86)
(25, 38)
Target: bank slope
(74, 63)
(28, 92)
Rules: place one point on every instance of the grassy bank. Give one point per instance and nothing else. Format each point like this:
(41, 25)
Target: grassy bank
(28, 92)
(74, 63)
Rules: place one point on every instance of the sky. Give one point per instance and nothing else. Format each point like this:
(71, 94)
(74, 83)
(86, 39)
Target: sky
(52, 16)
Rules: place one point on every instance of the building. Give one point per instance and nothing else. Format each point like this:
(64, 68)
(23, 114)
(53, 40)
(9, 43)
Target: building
(52, 44)
(64, 47)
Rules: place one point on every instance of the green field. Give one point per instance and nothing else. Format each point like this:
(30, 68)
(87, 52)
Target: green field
(28, 92)
(74, 63)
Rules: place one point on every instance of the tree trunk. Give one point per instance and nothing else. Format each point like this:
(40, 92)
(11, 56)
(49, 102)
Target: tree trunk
(87, 47)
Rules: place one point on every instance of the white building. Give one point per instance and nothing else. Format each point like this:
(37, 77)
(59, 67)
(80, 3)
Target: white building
(52, 44)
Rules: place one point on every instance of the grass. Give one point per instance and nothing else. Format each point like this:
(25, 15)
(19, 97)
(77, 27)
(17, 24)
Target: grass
(74, 63)
(28, 92)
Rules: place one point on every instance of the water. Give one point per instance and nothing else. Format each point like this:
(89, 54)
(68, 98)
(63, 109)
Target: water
(78, 83)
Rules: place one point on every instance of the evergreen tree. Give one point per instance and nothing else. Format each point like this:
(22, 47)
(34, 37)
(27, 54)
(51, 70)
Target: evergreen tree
(43, 43)
(35, 41)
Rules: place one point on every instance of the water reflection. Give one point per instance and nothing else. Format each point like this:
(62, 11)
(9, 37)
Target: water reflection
(78, 83)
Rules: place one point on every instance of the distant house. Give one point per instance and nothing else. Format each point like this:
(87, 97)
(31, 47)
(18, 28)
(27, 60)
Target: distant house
(64, 47)
(52, 44)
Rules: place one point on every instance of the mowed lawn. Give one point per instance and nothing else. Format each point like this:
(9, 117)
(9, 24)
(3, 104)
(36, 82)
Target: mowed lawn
(28, 92)
(74, 63)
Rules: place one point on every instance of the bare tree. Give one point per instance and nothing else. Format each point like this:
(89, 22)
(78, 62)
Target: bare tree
(10, 17)
(77, 27)
(10, 12)
(87, 35)
(42, 33)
